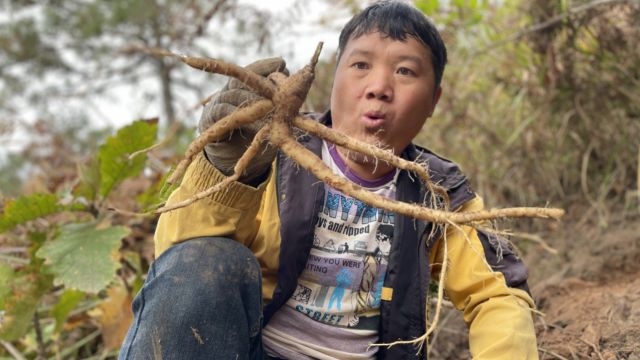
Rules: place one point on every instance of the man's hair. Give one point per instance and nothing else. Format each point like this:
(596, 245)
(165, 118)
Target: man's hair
(397, 20)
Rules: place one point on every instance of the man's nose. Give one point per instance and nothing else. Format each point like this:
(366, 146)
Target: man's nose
(380, 85)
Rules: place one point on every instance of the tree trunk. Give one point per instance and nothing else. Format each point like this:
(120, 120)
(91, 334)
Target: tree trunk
(164, 70)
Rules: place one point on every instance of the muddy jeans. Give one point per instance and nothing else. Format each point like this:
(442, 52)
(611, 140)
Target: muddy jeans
(202, 300)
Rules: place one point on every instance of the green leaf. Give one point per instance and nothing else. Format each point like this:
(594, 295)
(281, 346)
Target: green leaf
(68, 301)
(83, 257)
(89, 183)
(20, 303)
(157, 193)
(115, 165)
(427, 6)
(27, 208)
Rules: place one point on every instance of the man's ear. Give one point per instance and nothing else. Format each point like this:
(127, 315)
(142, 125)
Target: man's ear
(436, 98)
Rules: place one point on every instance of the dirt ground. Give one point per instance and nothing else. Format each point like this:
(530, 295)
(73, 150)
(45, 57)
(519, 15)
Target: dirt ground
(589, 293)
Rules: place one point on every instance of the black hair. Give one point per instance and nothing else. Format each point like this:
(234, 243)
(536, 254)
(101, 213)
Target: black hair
(397, 20)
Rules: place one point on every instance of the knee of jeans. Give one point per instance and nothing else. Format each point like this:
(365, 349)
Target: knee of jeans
(208, 261)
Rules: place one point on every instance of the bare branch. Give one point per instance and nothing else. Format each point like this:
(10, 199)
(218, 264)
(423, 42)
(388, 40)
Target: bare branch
(550, 22)
(202, 24)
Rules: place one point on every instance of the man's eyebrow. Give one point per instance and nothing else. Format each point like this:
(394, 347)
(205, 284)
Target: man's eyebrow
(366, 53)
(359, 52)
(413, 58)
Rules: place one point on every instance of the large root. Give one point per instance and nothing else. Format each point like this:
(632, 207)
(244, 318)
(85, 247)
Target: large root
(284, 101)
(284, 97)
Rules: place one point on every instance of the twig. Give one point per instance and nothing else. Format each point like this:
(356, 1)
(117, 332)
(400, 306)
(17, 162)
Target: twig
(170, 134)
(42, 350)
(530, 237)
(536, 239)
(14, 249)
(548, 23)
(128, 213)
(557, 356)
(12, 350)
(14, 259)
(104, 355)
(201, 103)
(202, 23)
(82, 342)
(595, 348)
(437, 332)
(638, 174)
(584, 177)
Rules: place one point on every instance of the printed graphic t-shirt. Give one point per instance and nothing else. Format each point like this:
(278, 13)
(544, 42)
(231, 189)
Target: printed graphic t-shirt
(334, 312)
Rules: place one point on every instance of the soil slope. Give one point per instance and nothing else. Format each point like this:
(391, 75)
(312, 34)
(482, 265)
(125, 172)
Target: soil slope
(589, 294)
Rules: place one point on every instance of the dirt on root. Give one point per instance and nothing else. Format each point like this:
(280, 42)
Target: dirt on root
(589, 293)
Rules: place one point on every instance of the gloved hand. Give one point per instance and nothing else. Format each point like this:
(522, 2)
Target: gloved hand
(225, 153)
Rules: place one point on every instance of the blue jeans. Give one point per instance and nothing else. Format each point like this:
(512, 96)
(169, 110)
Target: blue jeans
(202, 299)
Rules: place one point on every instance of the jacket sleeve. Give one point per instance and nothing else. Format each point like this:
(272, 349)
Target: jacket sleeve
(231, 212)
(487, 281)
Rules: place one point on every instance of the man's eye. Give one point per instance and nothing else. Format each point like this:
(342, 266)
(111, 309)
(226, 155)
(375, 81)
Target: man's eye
(360, 65)
(406, 71)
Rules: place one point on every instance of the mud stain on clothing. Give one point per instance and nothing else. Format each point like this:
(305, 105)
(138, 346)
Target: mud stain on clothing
(157, 349)
(197, 335)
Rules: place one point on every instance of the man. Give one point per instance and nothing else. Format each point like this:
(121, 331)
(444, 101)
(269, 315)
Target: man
(280, 265)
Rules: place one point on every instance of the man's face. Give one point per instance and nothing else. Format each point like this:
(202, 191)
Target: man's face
(383, 92)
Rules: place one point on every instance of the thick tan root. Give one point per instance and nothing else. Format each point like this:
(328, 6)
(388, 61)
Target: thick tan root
(287, 96)
(241, 165)
(443, 273)
(293, 91)
(379, 154)
(309, 161)
(256, 82)
(287, 100)
(218, 130)
(528, 237)
(436, 317)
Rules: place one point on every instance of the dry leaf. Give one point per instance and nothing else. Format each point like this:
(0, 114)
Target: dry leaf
(114, 316)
